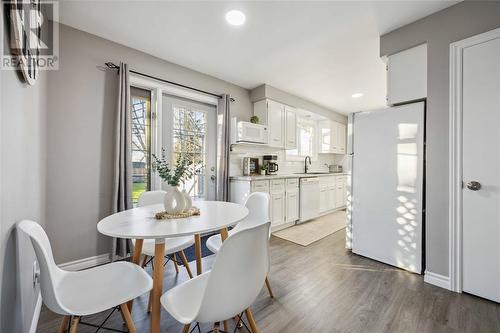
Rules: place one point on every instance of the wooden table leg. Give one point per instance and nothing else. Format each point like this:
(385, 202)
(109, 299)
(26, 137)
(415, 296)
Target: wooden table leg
(157, 285)
(224, 234)
(136, 258)
(197, 251)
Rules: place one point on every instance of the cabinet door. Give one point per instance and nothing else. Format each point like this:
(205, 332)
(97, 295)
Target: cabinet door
(407, 75)
(340, 193)
(276, 124)
(290, 128)
(292, 205)
(332, 197)
(323, 199)
(277, 208)
(342, 138)
(334, 137)
(325, 137)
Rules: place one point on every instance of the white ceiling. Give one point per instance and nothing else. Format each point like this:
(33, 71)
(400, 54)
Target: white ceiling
(321, 51)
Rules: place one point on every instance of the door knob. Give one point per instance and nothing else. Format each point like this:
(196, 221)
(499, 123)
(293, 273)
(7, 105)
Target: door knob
(213, 178)
(474, 186)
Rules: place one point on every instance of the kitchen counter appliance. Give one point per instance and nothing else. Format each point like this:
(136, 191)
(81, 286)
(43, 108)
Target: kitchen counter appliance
(271, 161)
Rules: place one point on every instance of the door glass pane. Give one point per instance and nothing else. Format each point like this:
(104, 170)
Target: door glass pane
(140, 108)
(189, 139)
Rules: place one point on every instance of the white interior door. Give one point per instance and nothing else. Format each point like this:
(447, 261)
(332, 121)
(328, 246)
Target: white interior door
(481, 164)
(189, 127)
(387, 185)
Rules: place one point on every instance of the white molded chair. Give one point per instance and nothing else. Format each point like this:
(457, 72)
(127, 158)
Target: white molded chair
(86, 292)
(173, 246)
(232, 285)
(258, 207)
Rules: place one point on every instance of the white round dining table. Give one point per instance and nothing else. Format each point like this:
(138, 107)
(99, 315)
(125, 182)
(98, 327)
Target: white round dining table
(140, 223)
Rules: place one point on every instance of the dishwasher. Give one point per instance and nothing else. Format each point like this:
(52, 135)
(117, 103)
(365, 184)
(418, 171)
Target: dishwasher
(309, 198)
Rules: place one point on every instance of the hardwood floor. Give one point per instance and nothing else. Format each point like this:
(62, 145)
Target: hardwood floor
(325, 288)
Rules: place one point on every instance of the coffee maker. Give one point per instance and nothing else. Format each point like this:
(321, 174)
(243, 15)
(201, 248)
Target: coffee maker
(271, 161)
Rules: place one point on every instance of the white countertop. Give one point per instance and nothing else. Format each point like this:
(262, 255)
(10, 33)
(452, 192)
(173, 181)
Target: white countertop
(283, 176)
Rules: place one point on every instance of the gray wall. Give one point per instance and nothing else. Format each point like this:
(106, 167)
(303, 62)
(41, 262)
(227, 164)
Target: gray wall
(22, 191)
(81, 101)
(439, 30)
(267, 91)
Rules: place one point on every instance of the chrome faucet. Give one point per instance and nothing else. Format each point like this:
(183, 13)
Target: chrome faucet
(305, 163)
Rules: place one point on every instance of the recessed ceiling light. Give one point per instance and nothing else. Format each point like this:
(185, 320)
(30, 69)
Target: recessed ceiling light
(235, 17)
(357, 95)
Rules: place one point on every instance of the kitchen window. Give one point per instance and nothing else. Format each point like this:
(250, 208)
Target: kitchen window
(306, 138)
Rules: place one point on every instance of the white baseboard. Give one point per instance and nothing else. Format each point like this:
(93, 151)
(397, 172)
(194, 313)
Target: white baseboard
(36, 313)
(437, 280)
(84, 263)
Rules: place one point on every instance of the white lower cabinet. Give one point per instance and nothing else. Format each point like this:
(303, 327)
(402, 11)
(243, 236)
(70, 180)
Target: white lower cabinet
(292, 206)
(285, 196)
(323, 198)
(277, 208)
(332, 195)
(340, 192)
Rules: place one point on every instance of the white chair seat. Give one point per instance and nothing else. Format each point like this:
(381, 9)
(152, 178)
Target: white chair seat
(100, 288)
(172, 245)
(184, 301)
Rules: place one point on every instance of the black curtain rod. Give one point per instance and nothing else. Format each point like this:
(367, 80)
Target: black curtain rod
(113, 66)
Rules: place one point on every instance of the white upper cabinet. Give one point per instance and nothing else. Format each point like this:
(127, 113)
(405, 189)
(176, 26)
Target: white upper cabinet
(281, 121)
(407, 75)
(325, 136)
(290, 127)
(332, 137)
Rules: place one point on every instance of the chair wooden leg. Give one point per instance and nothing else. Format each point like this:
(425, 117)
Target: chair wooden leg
(226, 326)
(186, 328)
(64, 324)
(144, 261)
(174, 260)
(197, 251)
(127, 318)
(136, 258)
(185, 263)
(251, 321)
(150, 304)
(268, 285)
(74, 325)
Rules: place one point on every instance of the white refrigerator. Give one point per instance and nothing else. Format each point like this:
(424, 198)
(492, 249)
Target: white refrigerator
(386, 185)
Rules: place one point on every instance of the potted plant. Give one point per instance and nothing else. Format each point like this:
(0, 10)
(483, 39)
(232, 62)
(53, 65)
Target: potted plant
(175, 201)
(254, 120)
(263, 169)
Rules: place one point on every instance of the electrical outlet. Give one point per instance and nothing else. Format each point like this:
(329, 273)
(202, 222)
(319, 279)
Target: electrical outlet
(36, 273)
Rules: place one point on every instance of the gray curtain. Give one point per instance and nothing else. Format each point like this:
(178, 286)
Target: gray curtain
(223, 112)
(122, 182)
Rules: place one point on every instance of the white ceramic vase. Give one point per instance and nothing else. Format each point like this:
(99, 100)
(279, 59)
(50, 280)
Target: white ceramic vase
(187, 200)
(174, 201)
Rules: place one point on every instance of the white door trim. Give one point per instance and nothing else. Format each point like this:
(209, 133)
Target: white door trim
(455, 151)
